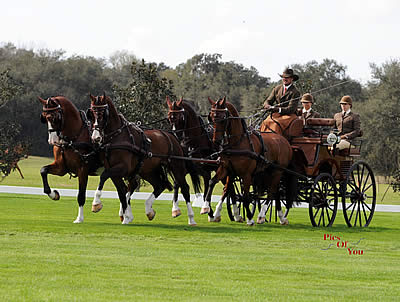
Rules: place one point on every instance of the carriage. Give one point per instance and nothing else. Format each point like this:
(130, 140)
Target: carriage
(324, 174)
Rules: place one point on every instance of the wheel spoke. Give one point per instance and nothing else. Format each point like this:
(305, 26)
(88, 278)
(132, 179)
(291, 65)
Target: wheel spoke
(365, 215)
(320, 216)
(365, 183)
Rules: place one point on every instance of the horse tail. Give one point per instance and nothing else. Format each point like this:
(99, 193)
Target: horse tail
(164, 172)
(194, 175)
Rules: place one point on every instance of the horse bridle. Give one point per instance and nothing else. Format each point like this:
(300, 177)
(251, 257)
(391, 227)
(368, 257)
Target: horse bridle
(214, 118)
(97, 109)
(181, 113)
(53, 110)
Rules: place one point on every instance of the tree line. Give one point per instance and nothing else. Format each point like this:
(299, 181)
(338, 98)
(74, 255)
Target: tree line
(139, 90)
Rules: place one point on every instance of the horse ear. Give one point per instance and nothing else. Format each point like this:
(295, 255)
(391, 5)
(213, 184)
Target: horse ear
(92, 97)
(104, 95)
(42, 100)
(211, 101)
(179, 103)
(169, 103)
(223, 101)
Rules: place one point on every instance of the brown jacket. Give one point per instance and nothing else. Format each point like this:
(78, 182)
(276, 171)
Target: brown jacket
(306, 116)
(290, 100)
(349, 126)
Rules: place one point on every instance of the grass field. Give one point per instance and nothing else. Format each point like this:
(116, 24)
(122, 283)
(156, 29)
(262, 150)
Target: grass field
(45, 257)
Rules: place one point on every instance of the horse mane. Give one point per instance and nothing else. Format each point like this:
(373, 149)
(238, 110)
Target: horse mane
(233, 111)
(64, 102)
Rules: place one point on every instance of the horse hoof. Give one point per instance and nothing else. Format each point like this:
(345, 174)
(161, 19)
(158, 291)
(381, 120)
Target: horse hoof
(284, 221)
(176, 213)
(97, 207)
(214, 219)
(78, 220)
(54, 195)
(121, 218)
(204, 211)
(240, 219)
(193, 224)
(261, 220)
(127, 220)
(151, 215)
(250, 222)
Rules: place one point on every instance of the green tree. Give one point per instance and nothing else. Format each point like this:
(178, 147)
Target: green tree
(144, 98)
(328, 83)
(381, 118)
(12, 147)
(205, 75)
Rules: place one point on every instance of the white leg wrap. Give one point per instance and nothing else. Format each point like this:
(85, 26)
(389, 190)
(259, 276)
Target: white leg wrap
(149, 203)
(175, 205)
(235, 212)
(128, 217)
(263, 211)
(190, 214)
(79, 219)
(96, 199)
(282, 219)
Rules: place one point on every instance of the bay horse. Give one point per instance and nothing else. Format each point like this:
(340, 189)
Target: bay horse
(253, 157)
(129, 151)
(72, 149)
(196, 141)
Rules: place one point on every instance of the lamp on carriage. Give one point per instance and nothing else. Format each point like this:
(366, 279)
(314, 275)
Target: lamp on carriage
(332, 139)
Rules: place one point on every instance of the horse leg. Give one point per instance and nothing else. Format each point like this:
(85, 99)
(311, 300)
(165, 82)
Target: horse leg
(19, 170)
(246, 199)
(275, 195)
(176, 211)
(220, 174)
(206, 207)
(96, 204)
(83, 180)
(54, 169)
(122, 194)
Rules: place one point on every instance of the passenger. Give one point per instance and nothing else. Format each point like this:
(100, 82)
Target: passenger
(307, 112)
(347, 122)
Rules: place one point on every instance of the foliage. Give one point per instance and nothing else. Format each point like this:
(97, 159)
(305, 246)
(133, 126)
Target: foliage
(48, 73)
(396, 183)
(205, 75)
(12, 147)
(328, 83)
(143, 99)
(381, 118)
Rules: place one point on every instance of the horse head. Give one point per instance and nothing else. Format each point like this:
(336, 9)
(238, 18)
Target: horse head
(98, 114)
(177, 116)
(52, 114)
(219, 118)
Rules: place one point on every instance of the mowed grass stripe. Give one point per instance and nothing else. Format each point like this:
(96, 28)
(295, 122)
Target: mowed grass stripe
(45, 257)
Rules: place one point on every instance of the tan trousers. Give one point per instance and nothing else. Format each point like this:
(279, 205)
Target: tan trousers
(343, 145)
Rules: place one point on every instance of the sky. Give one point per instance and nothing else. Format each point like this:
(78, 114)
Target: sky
(268, 35)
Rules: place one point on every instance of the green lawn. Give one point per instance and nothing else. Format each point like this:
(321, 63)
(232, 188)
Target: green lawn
(45, 257)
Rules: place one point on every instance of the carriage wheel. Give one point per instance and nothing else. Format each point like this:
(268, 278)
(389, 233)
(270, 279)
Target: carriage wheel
(323, 202)
(359, 195)
(235, 196)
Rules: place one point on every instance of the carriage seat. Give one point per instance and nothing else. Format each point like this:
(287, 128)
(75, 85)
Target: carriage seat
(320, 122)
(314, 126)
